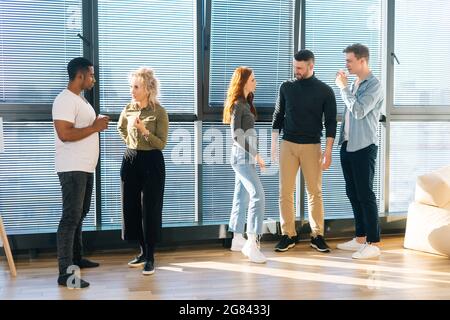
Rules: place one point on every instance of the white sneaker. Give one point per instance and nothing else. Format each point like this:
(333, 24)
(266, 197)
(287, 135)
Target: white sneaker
(238, 242)
(253, 253)
(367, 251)
(351, 245)
(246, 248)
(251, 249)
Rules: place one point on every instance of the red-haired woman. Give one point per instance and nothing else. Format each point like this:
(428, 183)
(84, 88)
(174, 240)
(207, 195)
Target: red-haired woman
(240, 113)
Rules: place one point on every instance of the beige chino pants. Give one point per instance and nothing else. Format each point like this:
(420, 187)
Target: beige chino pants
(307, 157)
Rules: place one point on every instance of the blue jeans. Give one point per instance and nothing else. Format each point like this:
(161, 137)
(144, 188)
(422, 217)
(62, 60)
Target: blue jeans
(248, 194)
(358, 168)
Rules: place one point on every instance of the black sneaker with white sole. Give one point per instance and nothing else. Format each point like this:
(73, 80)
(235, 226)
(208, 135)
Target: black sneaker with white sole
(285, 243)
(319, 244)
(71, 281)
(149, 268)
(137, 262)
(85, 263)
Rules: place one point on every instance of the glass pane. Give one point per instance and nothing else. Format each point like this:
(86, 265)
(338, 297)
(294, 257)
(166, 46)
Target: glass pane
(38, 39)
(30, 194)
(160, 34)
(179, 193)
(218, 175)
(332, 25)
(416, 148)
(254, 33)
(422, 45)
(335, 200)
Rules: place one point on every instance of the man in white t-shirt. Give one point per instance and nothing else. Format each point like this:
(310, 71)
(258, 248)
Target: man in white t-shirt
(77, 151)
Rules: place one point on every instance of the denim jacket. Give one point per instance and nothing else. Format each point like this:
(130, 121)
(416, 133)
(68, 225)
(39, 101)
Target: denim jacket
(365, 108)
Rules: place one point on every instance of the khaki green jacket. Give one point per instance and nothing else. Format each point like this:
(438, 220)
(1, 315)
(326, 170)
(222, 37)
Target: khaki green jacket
(156, 121)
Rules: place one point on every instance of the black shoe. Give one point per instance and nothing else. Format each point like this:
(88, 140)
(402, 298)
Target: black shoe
(85, 263)
(72, 281)
(285, 243)
(149, 268)
(319, 244)
(137, 262)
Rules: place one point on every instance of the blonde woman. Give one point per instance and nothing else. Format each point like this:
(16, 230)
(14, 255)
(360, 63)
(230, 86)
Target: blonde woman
(240, 113)
(143, 126)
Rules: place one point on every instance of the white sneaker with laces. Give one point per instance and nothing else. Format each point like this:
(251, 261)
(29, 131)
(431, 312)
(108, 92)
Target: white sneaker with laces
(238, 242)
(367, 251)
(351, 245)
(251, 250)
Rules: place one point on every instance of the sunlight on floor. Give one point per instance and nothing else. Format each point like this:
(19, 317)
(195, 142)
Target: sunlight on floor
(370, 281)
(357, 266)
(171, 269)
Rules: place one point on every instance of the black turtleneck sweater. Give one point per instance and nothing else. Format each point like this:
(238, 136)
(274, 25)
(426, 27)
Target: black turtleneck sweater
(300, 108)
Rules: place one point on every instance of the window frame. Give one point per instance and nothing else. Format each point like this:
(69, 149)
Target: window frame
(425, 112)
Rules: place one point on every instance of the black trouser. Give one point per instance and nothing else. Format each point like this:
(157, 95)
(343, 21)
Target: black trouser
(359, 169)
(76, 187)
(143, 177)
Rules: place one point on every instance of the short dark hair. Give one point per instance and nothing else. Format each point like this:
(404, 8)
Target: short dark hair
(359, 50)
(304, 55)
(77, 64)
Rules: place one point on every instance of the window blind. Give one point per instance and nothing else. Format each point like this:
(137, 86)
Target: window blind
(254, 33)
(37, 39)
(159, 34)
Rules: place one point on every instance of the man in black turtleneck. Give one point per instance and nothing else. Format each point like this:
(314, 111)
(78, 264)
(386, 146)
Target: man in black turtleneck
(302, 105)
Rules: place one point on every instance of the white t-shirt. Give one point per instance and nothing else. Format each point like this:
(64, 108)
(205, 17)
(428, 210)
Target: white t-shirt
(347, 116)
(81, 155)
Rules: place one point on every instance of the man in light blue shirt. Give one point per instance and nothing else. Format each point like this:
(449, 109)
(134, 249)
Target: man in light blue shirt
(358, 139)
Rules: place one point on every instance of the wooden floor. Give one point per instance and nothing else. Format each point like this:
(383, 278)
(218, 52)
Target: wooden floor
(212, 272)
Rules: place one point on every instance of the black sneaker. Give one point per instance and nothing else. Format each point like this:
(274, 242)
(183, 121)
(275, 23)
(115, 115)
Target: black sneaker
(71, 281)
(319, 244)
(137, 262)
(285, 243)
(149, 268)
(85, 263)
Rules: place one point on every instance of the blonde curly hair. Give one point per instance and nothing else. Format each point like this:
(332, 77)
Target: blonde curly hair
(151, 84)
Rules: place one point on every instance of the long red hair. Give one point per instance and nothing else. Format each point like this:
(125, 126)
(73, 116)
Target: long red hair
(236, 92)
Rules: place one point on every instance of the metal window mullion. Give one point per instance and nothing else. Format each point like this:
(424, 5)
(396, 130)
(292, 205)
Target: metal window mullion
(299, 25)
(198, 137)
(90, 32)
(389, 82)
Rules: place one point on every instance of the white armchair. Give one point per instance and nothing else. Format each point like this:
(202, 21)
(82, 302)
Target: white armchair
(428, 223)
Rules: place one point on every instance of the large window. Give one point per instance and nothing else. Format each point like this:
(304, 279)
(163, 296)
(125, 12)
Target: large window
(160, 34)
(37, 39)
(254, 33)
(422, 45)
(332, 25)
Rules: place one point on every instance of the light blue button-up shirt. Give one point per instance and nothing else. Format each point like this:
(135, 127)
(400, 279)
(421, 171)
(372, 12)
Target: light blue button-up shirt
(364, 107)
